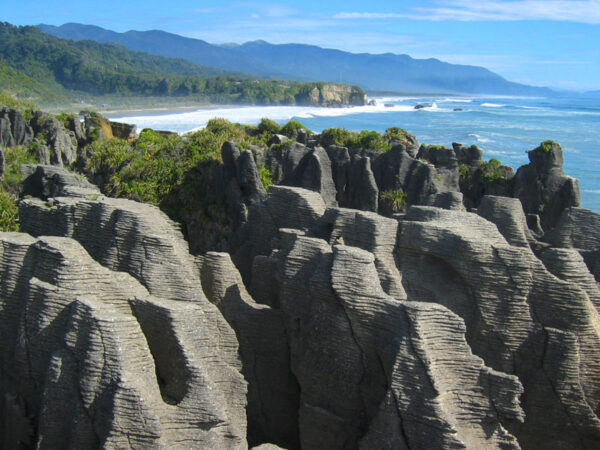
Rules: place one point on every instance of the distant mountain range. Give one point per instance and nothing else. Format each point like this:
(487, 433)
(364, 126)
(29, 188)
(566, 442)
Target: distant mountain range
(47, 69)
(381, 72)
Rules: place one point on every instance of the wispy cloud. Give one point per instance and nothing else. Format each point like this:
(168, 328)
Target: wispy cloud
(583, 11)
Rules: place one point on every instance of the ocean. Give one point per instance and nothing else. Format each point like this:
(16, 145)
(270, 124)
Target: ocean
(504, 127)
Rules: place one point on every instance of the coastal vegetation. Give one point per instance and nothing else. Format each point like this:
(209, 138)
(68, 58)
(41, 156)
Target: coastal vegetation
(10, 184)
(364, 139)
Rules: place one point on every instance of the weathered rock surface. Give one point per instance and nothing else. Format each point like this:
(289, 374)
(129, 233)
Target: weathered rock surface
(272, 390)
(445, 161)
(365, 361)
(331, 94)
(520, 318)
(396, 169)
(436, 328)
(576, 228)
(297, 165)
(543, 187)
(56, 144)
(44, 181)
(286, 207)
(508, 215)
(98, 362)
(471, 156)
(14, 129)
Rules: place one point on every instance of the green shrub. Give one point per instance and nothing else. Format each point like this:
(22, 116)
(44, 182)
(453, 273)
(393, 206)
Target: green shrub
(372, 140)
(396, 198)
(65, 118)
(12, 102)
(491, 171)
(268, 126)
(9, 212)
(109, 155)
(291, 128)
(13, 158)
(336, 136)
(266, 177)
(548, 146)
(464, 172)
(397, 134)
(10, 185)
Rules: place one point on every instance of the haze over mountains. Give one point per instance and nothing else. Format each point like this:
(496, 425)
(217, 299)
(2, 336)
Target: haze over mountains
(381, 72)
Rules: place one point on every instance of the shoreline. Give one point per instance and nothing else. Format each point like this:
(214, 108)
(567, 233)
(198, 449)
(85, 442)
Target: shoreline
(156, 111)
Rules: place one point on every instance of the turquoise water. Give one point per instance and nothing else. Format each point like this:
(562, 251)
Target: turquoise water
(504, 127)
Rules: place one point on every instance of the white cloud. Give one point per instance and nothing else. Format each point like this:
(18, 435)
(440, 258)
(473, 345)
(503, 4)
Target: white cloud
(583, 11)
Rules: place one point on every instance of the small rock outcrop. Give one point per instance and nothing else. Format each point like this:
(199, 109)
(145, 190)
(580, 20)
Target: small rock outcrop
(14, 129)
(331, 94)
(45, 181)
(56, 144)
(543, 187)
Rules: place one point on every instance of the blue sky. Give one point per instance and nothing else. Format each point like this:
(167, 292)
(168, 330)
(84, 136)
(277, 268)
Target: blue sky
(541, 42)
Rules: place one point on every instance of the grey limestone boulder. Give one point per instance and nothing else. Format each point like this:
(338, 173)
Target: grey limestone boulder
(340, 171)
(576, 228)
(470, 156)
(285, 207)
(44, 181)
(508, 215)
(373, 233)
(361, 191)
(543, 187)
(396, 169)
(297, 165)
(14, 129)
(61, 144)
(448, 200)
(445, 161)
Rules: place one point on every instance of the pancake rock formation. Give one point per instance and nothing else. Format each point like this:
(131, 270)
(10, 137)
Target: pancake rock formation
(360, 306)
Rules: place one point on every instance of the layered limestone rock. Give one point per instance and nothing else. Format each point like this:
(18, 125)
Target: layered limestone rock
(543, 187)
(297, 165)
(122, 235)
(365, 360)
(14, 129)
(576, 228)
(285, 207)
(396, 169)
(98, 362)
(521, 319)
(56, 144)
(374, 371)
(272, 388)
(45, 181)
(331, 94)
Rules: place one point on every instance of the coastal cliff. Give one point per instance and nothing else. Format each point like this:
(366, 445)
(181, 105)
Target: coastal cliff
(330, 94)
(336, 290)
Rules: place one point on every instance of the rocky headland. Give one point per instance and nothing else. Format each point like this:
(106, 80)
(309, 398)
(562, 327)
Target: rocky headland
(292, 289)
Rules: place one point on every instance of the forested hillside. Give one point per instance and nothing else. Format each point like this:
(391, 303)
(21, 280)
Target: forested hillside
(57, 68)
